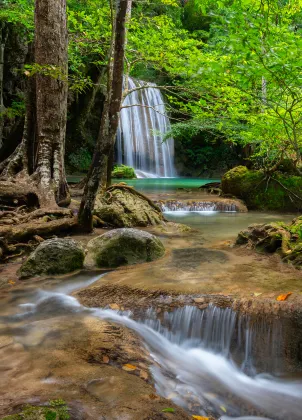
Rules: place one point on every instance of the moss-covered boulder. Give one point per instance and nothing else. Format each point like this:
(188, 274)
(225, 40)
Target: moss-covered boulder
(123, 247)
(54, 256)
(123, 206)
(123, 171)
(278, 192)
(284, 239)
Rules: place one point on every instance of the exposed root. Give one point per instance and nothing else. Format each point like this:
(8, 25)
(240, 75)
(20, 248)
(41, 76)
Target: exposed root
(26, 231)
(15, 240)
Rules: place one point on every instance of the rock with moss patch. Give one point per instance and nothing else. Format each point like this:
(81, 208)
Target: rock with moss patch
(123, 206)
(54, 256)
(278, 192)
(123, 247)
(284, 239)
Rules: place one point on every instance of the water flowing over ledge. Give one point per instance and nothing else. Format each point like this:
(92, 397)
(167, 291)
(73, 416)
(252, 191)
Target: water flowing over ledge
(196, 206)
(205, 360)
(141, 129)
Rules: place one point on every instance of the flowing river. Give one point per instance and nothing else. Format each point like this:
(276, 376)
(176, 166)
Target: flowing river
(200, 359)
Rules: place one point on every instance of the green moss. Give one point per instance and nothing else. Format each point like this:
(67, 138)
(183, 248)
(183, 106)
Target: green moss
(55, 410)
(263, 193)
(123, 171)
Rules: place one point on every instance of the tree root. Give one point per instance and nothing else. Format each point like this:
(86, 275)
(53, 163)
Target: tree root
(26, 236)
(26, 231)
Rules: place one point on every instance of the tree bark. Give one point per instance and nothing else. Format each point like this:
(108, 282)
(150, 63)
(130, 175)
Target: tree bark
(110, 119)
(39, 159)
(51, 99)
(3, 38)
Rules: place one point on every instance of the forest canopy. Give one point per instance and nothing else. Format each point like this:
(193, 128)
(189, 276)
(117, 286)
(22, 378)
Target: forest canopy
(231, 70)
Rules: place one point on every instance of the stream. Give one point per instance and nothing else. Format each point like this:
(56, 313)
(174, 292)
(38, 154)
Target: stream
(201, 359)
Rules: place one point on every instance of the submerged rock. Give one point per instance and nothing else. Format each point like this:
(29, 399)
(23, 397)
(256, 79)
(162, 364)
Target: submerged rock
(54, 256)
(259, 191)
(122, 206)
(123, 247)
(284, 239)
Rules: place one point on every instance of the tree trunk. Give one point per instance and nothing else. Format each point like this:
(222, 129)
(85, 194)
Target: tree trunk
(51, 99)
(3, 38)
(110, 119)
(39, 159)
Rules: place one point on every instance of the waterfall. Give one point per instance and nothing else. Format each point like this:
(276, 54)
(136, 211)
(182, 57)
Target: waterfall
(141, 128)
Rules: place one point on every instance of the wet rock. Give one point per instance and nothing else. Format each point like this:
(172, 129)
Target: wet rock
(122, 247)
(285, 239)
(122, 206)
(54, 256)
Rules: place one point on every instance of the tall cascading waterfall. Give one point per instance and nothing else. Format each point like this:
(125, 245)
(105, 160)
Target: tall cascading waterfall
(141, 129)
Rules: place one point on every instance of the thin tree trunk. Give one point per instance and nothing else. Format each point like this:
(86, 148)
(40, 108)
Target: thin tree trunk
(51, 99)
(3, 38)
(110, 119)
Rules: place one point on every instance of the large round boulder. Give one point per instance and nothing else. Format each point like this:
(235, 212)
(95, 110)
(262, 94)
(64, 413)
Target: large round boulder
(54, 256)
(122, 247)
(123, 206)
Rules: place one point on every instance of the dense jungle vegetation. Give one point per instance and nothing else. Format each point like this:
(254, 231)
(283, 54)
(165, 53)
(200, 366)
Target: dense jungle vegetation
(230, 71)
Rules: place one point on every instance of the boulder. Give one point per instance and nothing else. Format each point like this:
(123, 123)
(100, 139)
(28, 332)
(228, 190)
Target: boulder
(123, 247)
(284, 239)
(259, 191)
(122, 206)
(54, 256)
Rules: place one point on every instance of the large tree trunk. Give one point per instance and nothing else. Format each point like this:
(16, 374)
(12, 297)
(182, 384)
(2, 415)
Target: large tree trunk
(110, 119)
(39, 159)
(51, 99)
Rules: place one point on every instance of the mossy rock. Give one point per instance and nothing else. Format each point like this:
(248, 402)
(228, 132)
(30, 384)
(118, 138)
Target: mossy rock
(122, 206)
(123, 171)
(123, 247)
(54, 256)
(260, 193)
(284, 239)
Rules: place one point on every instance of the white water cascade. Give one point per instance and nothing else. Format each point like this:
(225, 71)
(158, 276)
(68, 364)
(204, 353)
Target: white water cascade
(142, 126)
(203, 359)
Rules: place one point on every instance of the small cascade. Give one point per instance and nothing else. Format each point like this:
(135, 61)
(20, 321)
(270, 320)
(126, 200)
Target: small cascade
(223, 331)
(204, 362)
(205, 359)
(206, 206)
(141, 129)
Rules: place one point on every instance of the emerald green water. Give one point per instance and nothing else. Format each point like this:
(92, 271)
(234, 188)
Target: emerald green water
(155, 184)
(165, 184)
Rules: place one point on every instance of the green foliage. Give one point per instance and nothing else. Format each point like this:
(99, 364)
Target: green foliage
(278, 192)
(123, 171)
(232, 69)
(80, 160)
